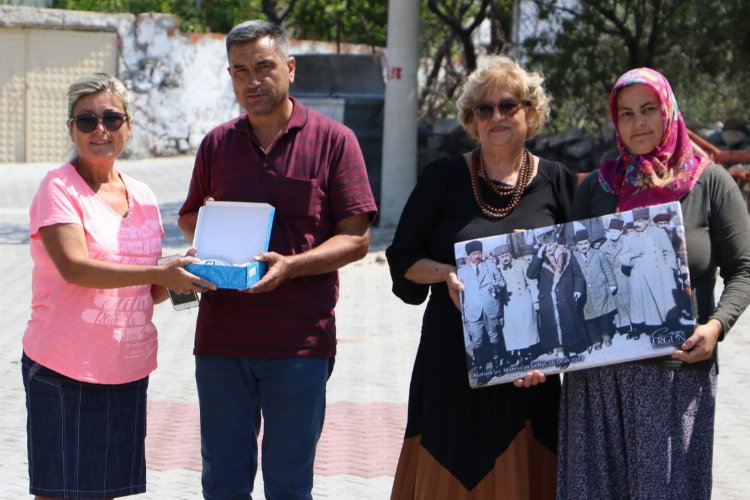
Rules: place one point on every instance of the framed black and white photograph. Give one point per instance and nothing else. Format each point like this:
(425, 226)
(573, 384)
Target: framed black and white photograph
(572, 296)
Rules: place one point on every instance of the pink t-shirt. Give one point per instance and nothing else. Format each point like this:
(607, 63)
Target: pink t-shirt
(103, 336)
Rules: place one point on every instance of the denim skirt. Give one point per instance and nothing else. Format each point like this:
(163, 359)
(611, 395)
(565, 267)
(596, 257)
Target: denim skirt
(84, 440)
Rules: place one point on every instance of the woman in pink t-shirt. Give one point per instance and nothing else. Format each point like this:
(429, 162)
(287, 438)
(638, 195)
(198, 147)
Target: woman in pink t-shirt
(90, 343)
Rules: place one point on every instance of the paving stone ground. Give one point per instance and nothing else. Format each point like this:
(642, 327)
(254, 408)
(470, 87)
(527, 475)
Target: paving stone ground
(367, 393)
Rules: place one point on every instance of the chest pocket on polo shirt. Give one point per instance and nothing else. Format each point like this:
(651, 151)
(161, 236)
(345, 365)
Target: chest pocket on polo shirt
(295, 197)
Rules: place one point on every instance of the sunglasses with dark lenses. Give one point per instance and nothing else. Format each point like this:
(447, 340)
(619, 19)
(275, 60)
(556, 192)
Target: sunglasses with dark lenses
(112, 121)
(506, 107)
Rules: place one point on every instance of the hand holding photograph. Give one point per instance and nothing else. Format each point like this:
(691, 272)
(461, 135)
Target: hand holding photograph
(572, 296)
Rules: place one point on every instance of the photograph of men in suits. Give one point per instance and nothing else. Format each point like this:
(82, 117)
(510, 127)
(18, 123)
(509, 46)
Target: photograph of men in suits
(612, 248)
(482, 309)
(520, 332)
(653, 263)
(601, 287)
(562, 288)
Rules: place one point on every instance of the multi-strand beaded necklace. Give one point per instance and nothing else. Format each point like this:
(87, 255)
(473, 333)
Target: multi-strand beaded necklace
(478, 170)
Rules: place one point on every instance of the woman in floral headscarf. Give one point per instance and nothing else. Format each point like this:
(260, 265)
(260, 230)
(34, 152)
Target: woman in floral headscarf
(645, 429)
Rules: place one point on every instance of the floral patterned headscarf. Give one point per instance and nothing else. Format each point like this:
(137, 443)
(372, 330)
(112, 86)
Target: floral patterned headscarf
(665, 174)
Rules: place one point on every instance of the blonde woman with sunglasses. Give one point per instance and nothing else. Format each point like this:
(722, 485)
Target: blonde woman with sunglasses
(90, 344)
(497, 441)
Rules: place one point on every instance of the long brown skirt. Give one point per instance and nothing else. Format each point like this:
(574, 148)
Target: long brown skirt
(525, 471)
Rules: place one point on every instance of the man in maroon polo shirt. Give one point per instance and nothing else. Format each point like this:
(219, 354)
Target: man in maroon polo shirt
(270, 349)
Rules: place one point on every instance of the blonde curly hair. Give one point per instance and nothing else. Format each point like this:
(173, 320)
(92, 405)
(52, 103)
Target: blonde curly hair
(502, 72)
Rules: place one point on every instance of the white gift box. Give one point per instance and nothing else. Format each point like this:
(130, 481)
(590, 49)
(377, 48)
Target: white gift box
(228, 235)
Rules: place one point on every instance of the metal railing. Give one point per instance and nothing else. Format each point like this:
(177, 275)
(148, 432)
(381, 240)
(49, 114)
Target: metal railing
(737, 162)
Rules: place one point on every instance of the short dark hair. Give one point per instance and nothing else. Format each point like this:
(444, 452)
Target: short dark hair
(257, 28)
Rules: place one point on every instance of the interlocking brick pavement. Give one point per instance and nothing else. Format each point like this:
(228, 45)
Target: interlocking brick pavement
(359, 439)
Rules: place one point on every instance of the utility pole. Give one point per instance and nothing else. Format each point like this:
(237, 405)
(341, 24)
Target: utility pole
(399, 169)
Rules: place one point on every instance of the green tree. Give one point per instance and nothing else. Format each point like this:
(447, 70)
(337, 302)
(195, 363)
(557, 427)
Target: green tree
(278, 12)
(450, 47)
(354, 21)
(690, 41)
(217, 16)
(462, 18)
(341, 21)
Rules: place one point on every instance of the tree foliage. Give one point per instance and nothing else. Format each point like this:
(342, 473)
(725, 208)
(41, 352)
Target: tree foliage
(352, 21)
(195, 15)
(702, 47)
(451, 44)
(462, 17)
(355, 21)
(692, 42)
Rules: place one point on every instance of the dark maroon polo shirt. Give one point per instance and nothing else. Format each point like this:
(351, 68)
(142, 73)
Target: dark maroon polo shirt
(315, 176)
